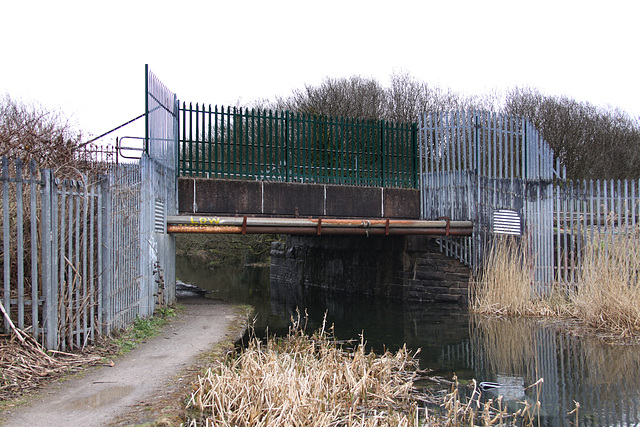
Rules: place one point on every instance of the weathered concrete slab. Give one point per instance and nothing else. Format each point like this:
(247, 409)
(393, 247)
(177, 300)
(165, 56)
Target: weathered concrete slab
(292, 199)
(401, 203)
(348, 201)
(220, 196)
(185, 195)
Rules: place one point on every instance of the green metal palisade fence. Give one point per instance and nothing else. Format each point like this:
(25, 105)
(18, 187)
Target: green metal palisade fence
(237, 143)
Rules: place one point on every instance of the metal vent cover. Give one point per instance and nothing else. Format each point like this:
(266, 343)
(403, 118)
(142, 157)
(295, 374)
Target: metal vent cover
(506, 221)
(159, 222)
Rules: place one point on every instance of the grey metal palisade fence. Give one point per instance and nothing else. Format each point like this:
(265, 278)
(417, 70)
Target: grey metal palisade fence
(85, 256)
(474, 165)
(79, 280)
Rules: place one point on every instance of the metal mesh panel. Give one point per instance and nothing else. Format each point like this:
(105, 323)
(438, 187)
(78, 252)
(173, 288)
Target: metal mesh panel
(158, 197)
(121, 293)
(161, 122)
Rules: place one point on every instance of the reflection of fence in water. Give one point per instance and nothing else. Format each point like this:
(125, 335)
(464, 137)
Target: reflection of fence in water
(604, 379)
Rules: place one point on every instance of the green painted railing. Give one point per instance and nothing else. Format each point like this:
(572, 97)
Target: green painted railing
(236, 143)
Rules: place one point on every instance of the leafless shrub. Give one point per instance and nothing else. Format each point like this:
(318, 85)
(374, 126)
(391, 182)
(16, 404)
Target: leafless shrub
(32, 132)
(591, 141)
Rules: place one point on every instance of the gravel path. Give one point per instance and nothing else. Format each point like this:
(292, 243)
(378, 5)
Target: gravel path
(144, 385)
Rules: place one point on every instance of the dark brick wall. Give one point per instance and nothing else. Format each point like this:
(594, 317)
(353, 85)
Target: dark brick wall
(410, 268)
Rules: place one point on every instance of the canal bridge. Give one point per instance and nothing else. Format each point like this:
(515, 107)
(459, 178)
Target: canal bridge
(433, 191)
(345, 192)
(368, 206)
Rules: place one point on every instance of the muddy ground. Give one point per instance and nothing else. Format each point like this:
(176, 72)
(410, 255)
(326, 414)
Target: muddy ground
(147, 386)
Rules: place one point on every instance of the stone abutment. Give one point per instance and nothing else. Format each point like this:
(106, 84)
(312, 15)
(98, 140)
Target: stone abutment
(409, 268)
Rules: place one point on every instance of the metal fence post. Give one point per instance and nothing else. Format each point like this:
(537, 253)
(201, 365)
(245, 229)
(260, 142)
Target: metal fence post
(106, 231)
(34, 248)
(382, 153)
(6, 248)
(146, 229)
(49, 282)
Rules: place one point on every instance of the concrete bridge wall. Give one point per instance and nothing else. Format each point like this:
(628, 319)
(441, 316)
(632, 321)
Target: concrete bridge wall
(242, 197)
(410, 268)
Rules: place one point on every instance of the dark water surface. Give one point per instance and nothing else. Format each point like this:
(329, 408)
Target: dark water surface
(603, 378)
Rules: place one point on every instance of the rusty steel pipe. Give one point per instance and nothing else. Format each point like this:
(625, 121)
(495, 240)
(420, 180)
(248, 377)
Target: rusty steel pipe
(313, 222)
(442, 231)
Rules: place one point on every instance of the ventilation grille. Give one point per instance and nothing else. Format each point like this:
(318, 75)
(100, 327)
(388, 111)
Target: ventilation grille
(159, 217)
(506, 221)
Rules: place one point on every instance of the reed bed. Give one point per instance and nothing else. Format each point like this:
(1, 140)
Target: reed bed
(606, 296)
(503, 285)
(311, 381)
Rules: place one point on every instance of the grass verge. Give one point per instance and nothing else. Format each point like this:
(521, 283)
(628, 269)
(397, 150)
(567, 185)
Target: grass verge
(141, 329)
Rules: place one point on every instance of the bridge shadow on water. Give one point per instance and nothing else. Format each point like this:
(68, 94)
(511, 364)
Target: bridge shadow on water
(514, 353)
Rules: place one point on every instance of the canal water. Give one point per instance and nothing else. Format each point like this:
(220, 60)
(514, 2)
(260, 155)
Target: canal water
(603, 378)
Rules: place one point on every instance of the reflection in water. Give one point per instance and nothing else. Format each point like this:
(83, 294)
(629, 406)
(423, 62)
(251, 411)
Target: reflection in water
(516, 353)
(102, 398)
(605, 379)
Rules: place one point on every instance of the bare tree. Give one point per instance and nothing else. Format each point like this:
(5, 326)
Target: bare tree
(407, 98)
(355, 97)
(592, 142)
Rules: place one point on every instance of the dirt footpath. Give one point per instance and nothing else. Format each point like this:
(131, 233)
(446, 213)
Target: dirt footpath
(147, 385)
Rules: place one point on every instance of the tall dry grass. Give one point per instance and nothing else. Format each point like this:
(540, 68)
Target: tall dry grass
(504, 286)
(310, 381)
(608, 293)
(606, 296)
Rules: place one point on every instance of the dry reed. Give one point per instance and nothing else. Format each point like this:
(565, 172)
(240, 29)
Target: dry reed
(473, 410)
(503, 286)
(608, 294)
(25, 365)
(311, 381)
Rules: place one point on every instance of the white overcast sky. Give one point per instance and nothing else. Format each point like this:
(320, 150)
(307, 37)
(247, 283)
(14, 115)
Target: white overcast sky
(87, 57)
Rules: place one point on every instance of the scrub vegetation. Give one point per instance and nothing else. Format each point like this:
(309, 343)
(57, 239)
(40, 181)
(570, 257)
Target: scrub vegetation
(598, 142)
